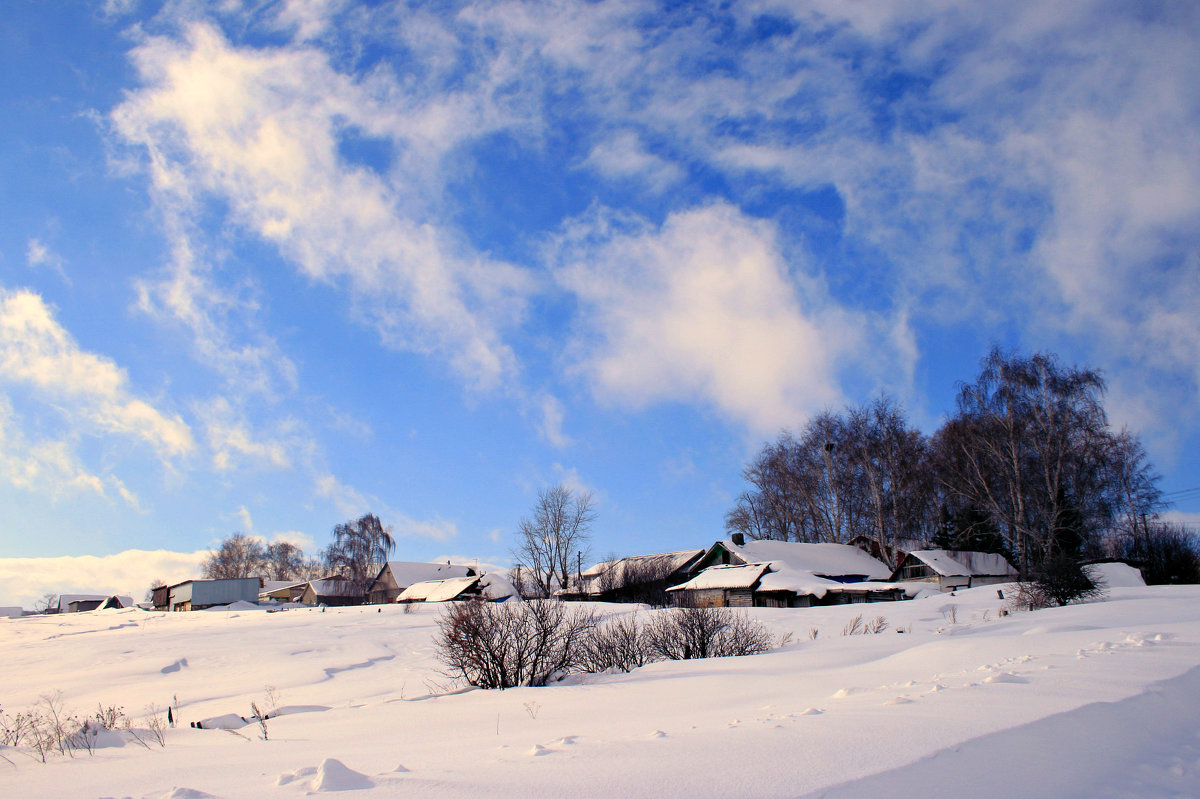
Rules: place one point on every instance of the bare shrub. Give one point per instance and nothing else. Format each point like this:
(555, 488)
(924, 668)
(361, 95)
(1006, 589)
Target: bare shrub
(156, 724)
(620, 643)
(857, 626)
(261, 718)
(688, 633)
(511, 644)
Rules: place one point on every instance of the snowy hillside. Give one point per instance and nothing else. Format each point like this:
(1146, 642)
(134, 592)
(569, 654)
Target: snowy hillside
(1087, 701)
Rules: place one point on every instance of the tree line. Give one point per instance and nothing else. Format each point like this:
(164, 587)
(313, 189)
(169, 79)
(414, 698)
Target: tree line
(357, 552)
(1027, 466)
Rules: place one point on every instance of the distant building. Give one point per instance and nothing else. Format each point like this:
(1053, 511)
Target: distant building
(954, 569)
(75, 603)
(840, 563)
(397, 575)
(775, 585)
(487, 587)
(201, 594)
(331, 591)
(638, 578)
(81, 605)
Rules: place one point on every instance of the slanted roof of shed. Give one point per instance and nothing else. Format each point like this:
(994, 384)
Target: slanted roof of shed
(437, 590)
(725, 577)
(334, 587)
(961, 563)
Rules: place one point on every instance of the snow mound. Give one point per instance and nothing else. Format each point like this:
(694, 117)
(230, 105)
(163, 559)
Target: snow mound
(228, 721)
(1115, 575)
(241, 604)
(298, 774)
(1006, 677)
(333, 775)
(185, 793)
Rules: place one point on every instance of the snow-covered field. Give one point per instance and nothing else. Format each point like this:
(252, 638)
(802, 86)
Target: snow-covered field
(1094, 700)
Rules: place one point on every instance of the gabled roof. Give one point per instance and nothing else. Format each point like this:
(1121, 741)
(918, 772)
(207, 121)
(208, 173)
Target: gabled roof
(611, 574)
(961, 563)
(406, 573)
(65, 600)
(823, 560)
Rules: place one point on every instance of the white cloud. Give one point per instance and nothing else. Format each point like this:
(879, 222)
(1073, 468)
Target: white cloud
(704, 308)
(303, 540)
(346, 499)
(551, 426)
(225, 335)
(435, 529)
(37, 352)
(232, 441)
(260, 130)
(624, 157)
(23, 581)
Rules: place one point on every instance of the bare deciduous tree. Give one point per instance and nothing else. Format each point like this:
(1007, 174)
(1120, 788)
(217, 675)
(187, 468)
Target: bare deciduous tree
(284, 561)
(359, 550)
(238, 556)
(553, 541)
(157, 583)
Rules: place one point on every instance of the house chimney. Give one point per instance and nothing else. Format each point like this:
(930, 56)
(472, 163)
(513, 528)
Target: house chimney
(738, 539)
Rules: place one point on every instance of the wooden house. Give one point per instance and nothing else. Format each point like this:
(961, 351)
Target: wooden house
(840, 563)
(333, 591)
(397, 575)
(640, 578)
(954, 569)
(775, 585)
(77, 603)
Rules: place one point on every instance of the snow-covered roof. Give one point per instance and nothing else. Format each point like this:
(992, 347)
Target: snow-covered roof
(724, 577)
(406, 573)
(65, 600)
(330, 587)
(497, 588)
(436, 590)
(1115, 575)
(668, 561)
(824, 560)
(961, 563)
(774, 577)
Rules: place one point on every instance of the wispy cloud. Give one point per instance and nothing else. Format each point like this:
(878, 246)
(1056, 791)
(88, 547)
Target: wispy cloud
(89, 391)
(260, 130)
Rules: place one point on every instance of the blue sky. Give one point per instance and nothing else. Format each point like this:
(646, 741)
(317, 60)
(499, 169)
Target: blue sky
(268, 266)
